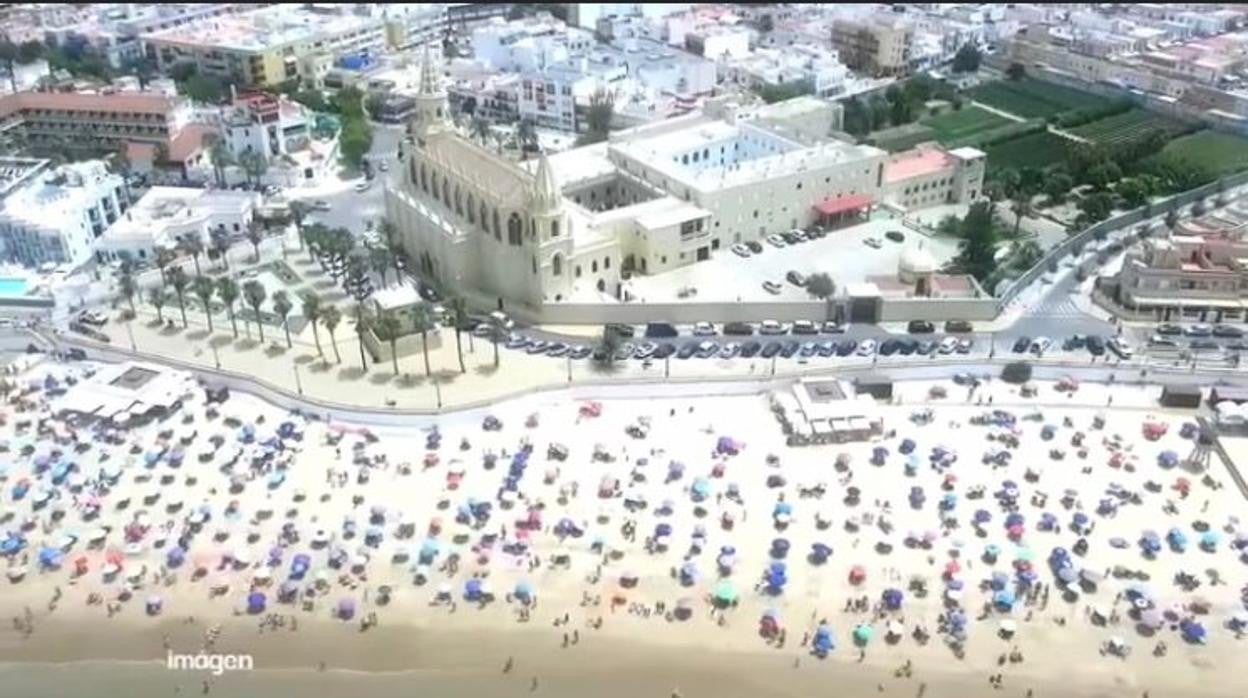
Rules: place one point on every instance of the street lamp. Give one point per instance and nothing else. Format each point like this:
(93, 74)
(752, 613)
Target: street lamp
(130, 332)
(298, 383)
(216, 358)
(437, 389)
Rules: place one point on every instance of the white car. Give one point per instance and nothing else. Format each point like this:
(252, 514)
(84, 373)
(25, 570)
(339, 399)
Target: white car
(1120, 347)
(362, 187)
(1040, 345)
(703, 329)
(501, 320)
(772, 287)
(772, 327)
(866, 347)
(741, 250)
(948, 345)
(645, 350)
(776, 240)
(320, 205)
(873, 243)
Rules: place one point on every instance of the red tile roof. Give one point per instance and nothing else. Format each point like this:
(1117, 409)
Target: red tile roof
(188, 142)
(128, 102)
(840, 204)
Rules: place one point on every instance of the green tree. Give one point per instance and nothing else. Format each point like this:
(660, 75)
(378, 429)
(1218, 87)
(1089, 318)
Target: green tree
(30, 51)
(312, 313)
(204, 88)
(1016, 71)
(220, 157)
(598, 118)
(901, 111)
(1132, 192)
(141, 68)
(254, 166)
(163, 258)
(1104, 173)
(332, 316)
(977, 251)
(254, 295)
(181, 72)
(1058, 186)
(766, 24)
(422, 321)
(157, 297)
(126, 284)
(8, 58)
(1096, 207)
(820, 285)
(379, 260)
(480, 129)
(604, 353)
(282, 306)
(1028, 254)
(526, 136)
(1172, 218)
(354, 141)
(880, 111)
(298, 212)
(219, 244)
(227, 290)
(204, 289)
(387, 330)
(784, 91)
(193, 246)
(255, 235)
(1020, 206)
(967, 59)
(497, 332)
(363, 325)
(459, 313)
(856, 118)
(180, 282)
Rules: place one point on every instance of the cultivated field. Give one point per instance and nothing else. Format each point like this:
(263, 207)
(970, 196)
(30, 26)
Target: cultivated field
(1038, 150)
(1218, 153)
(1126, 128)
(1035, 99)
(957, 125)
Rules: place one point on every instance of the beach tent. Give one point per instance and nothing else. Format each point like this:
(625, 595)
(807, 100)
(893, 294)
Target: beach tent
(893, 598)
(1193, 631)
(725, 594)
(689, 573)
(256, 602)
(863, 633)
(819, 553)
(780, 547)
(1004, 599)
(524, 590)
(823, 642)
(345, 609)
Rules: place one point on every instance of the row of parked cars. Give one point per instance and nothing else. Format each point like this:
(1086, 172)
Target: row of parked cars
(1095, 345)
(766, 349)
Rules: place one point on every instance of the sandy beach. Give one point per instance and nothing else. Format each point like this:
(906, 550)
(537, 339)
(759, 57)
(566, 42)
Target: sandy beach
(392, 561)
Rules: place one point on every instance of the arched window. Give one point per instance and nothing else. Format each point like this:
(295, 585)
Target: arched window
(593, 266)
(471, 206)
(446, 191)
(534, 264)
(424, 178)
(554, 229)
(577, 271)
(606, 263)
(556, 265)
(459, 208)
(485, 218)
(515, 230)
(497, 228)
(415, 178)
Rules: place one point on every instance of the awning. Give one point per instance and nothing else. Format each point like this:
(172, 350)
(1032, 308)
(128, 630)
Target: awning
(841, 204)
(1234, 304)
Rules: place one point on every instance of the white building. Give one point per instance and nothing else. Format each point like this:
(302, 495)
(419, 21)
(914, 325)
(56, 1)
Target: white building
(587, 14)
(114, 30)
(819, 67)
(168, 215)
(55, 216)
(650, 199)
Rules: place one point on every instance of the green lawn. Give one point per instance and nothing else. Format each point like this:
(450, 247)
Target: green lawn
(1038, 150)
(1035, 99)
(1218, 153)
(956, 125)
(1127, 127)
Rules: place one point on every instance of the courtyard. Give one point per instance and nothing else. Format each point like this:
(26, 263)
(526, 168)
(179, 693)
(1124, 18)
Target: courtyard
(842, 254)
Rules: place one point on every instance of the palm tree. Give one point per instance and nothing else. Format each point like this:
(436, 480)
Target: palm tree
(193, 246)
(282, 306)
(496, 331)
(127, 284)
(227, 289)
(220, 245)
(164, 257)
(379, 260)
(312, 313)
(480, 129)
(388, 329)
(362, 327)
(220, 157)
(157, 297)
(315, 236)
(390, 234)
(331, 316)
(253, 295)
(422, 320)
(459, 313)
(255, 234)
(1021, 206)
(526, 137)
(180, 281)
(298, 211)
(204, 288)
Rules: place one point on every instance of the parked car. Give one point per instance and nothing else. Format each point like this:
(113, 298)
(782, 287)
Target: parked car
(1162, 342)
(1204, 345)
(362, 187)
(867, 347)
(1021, 344)
(827, 348)
(789, 349)
(772, 327)
(776, 240)
(755, 246)
(958, 327)
(1229, 331)
(926, 347)
(1120, 348)
(93, 317)
(1198, 330)
(948, 345)
(580, 351)
(772, 287)
(846, 347)
(645, 350)
(908, 346)
(500, 319)
(1039, 345)
(537, 346)
(1074, 342)
(965, 344)
(1096, 345)
(805, 327)
(831, 327)
(895, 236)
(624, 352)
(665, 350)
(625, 331)
(661, 329)
(796, 279)
(687, 350)
(750, 349)
(799, 235)
(808, 350)
(707, 349)
(889, 347)
(873, 243)
(920, 327)
(320, 205)
(729, 350)
(741, 250)
(703, 329)
(557, 349)
(738, 328)
(516, 341)
(770, 349)
(1169, 329)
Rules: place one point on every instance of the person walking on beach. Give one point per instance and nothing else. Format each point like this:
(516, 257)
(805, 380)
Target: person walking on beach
(508, 665)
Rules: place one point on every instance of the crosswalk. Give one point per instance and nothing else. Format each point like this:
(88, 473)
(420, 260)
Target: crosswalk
(1056, 307)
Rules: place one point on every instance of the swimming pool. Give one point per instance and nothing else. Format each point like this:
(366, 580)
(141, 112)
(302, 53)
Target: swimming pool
(13, 286)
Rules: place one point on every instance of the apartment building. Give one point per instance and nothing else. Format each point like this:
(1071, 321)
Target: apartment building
(114, 31)
(101, 121)
(167, 215)
(269, 46)
(1198, 273)
(878, 47)
(55, 216)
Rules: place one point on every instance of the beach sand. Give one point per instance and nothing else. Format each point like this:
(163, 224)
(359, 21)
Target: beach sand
(419, 647)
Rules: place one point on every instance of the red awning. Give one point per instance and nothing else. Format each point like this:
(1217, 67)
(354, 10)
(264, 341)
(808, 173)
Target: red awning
(841, 204)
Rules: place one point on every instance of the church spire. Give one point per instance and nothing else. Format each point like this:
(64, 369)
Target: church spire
(545, 193)
(429, 82)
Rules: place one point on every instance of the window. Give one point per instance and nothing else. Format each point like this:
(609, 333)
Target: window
(471, 207)
(515, 230)
(497, 234)
(606, 263)
(556, 265)
(554, 229)
(577, 271)
(459, 209)
(756, 213)
(593, 267)
(424, 179)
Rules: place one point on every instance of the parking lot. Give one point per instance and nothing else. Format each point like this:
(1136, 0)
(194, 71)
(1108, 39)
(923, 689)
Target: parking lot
(842, 254)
